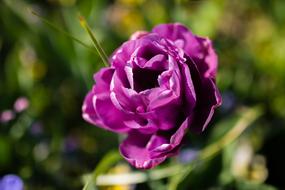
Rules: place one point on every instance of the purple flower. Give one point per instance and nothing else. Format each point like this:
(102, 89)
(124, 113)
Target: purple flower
(159, 84)
(11, 182)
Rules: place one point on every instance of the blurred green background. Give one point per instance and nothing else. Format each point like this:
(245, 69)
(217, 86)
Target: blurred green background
(50, 146)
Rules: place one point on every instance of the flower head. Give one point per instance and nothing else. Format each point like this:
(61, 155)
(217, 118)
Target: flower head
(158, 85)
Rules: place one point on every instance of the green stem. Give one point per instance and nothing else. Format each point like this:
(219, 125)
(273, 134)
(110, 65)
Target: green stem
(96, 44)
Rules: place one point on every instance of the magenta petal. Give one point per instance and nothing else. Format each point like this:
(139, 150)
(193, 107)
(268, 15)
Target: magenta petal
(209, 101)
(199, 49)
(169, 148)
(177, 137)
(145, 128)
(159, 98)
(169, 90)
(189, 89)
(125, 99)
(157, 62)
(158, 141)
(134, 150)
(111, 118)
(103, 79)
(166, 117)
(130, 48)
(208, 56)
(172, 32)
(146, 151)
(88, 111)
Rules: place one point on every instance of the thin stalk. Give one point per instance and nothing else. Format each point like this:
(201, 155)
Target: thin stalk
(96, 44)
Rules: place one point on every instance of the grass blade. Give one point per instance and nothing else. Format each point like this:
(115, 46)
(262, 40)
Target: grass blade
(96, 44)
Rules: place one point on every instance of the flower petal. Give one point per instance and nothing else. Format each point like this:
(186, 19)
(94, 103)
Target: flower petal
(147, 151)
(198, 48)
(189, 89)
(133, 149)
(174, 142)
(103, 79)
(88, 111)
(208, 99)
(208, 102)
(111, 118)
(209, 57)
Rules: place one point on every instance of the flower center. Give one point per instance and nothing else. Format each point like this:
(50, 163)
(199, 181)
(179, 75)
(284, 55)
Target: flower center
(145, 79)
